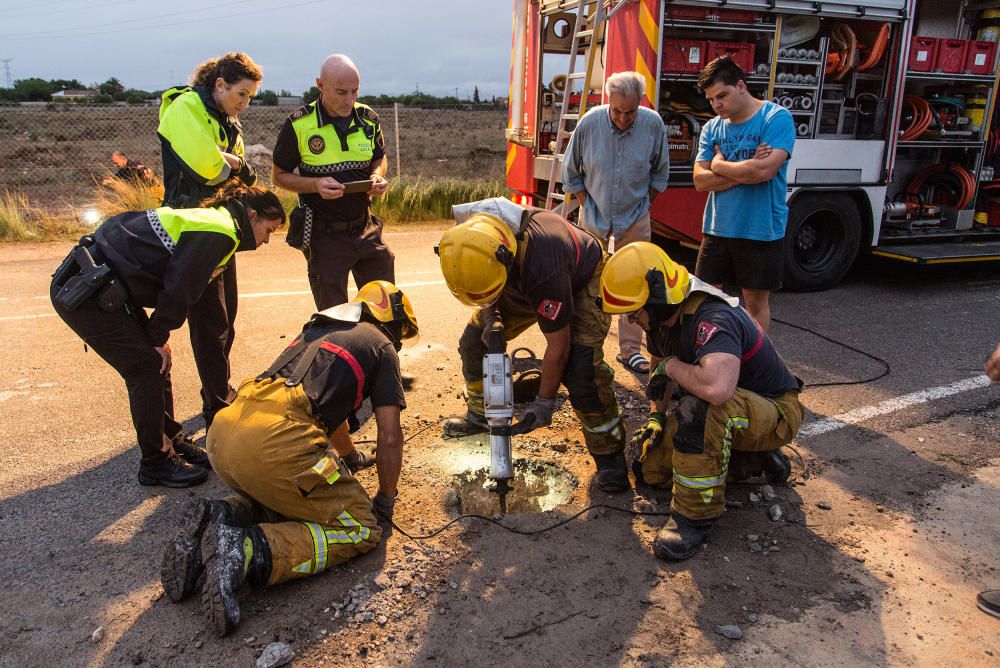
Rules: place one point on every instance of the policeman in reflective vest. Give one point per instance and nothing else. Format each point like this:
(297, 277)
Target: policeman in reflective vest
(737, 402)
(322, 146)
(160, 259)
(283, 446)
(202, 147)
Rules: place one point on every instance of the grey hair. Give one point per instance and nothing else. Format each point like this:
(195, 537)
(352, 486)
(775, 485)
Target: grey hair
(626, 84)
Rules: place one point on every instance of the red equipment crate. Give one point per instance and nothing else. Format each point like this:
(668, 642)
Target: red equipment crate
(979, 57)
(923, 53)
(951, 55)
(740, 52)
(683, 56)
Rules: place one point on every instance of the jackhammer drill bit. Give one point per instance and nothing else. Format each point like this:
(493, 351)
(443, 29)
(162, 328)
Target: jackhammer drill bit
(498, 403)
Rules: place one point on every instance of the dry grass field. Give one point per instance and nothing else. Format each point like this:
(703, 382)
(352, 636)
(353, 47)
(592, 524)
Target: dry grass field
(53, 154)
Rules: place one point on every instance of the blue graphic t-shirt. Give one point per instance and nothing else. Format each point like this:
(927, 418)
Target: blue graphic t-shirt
(752, 211)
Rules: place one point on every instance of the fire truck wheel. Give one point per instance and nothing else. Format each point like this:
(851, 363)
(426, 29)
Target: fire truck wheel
(821, 241)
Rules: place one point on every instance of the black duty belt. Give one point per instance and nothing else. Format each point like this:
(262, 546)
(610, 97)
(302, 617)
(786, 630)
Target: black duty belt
(341, 226)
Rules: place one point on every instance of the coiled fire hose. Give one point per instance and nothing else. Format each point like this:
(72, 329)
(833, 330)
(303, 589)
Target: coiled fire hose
(952, 178)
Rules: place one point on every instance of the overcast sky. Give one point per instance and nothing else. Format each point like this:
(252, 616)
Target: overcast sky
(438, 45)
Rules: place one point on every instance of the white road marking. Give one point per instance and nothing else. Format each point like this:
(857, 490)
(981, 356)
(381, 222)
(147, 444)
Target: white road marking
(888, 406)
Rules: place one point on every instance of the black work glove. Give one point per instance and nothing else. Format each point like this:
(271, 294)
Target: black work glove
(659, 380)
(361, 458)
(537, 414)
(383, 505)
(646, 438)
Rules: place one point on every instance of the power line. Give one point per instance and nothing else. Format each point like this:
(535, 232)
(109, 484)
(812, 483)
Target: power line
(34, 5)
(196, 17)
(68, 10)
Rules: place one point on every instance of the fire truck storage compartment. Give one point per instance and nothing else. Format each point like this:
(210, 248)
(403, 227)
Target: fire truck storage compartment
(979, 57)
(923, 53)
(741, 53)
(683, 56)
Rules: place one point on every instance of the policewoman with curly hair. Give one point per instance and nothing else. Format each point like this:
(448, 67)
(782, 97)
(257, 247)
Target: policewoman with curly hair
(202, 146)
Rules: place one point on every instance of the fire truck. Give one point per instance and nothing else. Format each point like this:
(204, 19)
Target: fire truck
(893, 103)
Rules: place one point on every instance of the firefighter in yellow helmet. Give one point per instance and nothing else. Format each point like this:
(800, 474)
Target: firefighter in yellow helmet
(736, 401)
(284, 448)
(545, 272)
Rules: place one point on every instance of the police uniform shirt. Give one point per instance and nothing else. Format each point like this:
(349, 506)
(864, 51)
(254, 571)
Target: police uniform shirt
(287, 155)
(559, 261)
(355, 362)
(716, 327)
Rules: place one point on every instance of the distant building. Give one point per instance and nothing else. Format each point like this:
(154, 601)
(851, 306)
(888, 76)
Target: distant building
(289, 101)
(75, 95)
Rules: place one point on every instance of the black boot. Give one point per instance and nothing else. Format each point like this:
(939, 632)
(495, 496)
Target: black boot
(680, 537)
(612, 472)
(465, 425)
(233, 557)
(192, 453)
(182, 565)
(170, 471)
(776, 465)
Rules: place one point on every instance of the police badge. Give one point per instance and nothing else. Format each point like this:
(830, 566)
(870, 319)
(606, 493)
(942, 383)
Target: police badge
(316, 144)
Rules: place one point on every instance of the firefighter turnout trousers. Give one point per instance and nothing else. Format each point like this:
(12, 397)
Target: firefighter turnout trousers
(268, 447)
(587, 377)
(703, 439)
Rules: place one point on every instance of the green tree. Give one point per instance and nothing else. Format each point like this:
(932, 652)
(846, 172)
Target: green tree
(65, 84)
(33, 89)
(311, 94)
(112, 87)
(475, 94)
(267, 98)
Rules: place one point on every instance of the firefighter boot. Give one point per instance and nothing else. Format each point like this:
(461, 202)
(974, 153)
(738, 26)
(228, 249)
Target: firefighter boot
(457, 426)
(612, 472)
(776, 465)
(680, 537)
(182, 565)
(233, 557)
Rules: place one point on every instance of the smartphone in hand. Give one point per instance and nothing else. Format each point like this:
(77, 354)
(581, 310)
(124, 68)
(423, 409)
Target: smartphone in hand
(357, 186)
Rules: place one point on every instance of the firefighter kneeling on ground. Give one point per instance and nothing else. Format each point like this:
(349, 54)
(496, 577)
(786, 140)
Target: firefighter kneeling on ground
(283, 446)
(737, 402)
(537, 267)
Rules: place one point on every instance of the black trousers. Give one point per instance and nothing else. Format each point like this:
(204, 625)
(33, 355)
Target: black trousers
(121, 340)
(334, 255)
(210, 321)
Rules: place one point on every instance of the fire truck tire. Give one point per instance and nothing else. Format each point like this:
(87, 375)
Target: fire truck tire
(821, 241)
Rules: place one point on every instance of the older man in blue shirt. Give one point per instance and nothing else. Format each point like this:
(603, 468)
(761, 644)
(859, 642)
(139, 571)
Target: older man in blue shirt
(616, 163)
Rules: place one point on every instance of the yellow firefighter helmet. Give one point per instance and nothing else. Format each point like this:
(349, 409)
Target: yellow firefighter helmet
(642, 273)
(391, 308)
(475, 257)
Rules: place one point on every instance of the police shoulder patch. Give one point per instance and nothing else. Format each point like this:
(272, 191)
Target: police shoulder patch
(316, 144)
(299, 113)
(368, 113)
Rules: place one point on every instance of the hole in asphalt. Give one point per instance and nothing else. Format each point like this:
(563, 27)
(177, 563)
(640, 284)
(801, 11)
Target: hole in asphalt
(537, 487)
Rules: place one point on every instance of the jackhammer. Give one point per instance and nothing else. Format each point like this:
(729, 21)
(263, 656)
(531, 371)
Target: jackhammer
(498, 402)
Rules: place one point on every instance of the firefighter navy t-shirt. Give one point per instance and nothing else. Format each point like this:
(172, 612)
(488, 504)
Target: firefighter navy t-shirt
(749, 211)
(717, 327)
(355, 362)
(559, 262)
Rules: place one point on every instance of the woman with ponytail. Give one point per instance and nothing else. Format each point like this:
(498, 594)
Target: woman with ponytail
(161, 259)
(202, 147)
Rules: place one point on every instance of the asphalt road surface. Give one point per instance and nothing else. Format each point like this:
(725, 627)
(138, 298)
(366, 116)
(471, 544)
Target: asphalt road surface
(888, 531)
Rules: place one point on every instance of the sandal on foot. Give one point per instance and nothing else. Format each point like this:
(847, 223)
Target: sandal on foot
(635, 363)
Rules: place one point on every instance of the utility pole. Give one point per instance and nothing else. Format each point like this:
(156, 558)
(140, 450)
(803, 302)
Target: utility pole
(6, 71)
